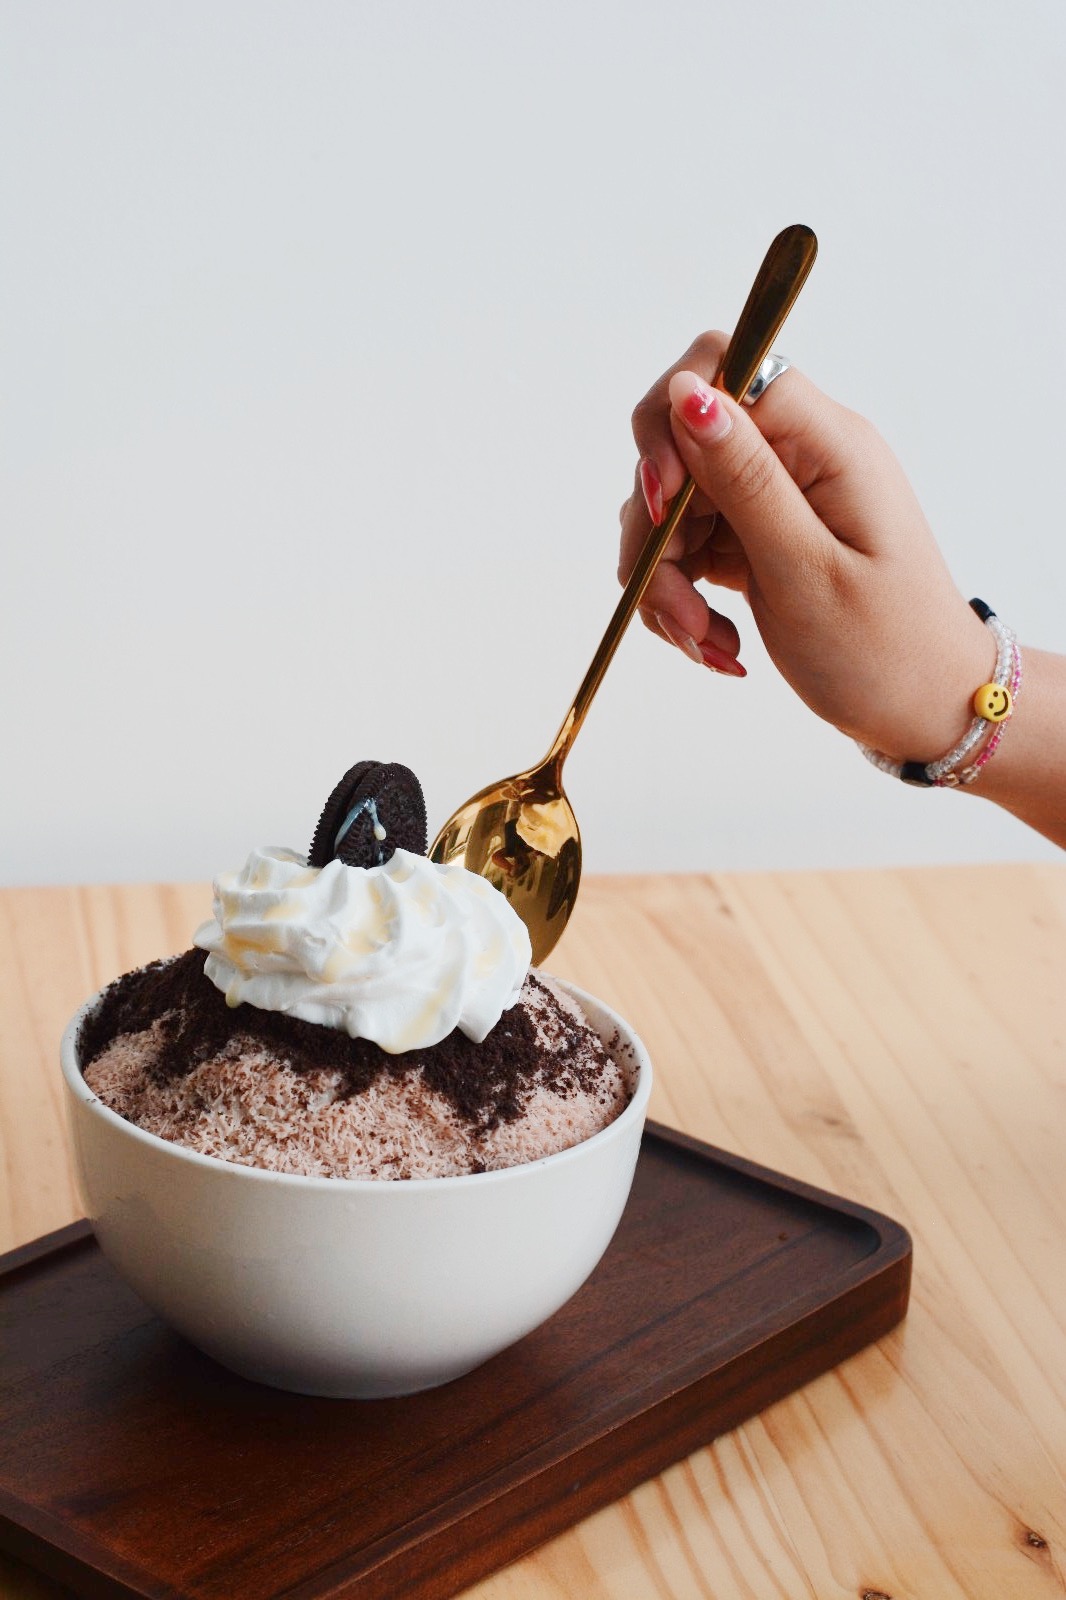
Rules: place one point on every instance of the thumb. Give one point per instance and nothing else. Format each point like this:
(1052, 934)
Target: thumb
(744, 480)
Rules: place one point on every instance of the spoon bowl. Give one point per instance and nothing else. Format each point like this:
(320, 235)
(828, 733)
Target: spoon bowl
(521, 833)
(524, 838)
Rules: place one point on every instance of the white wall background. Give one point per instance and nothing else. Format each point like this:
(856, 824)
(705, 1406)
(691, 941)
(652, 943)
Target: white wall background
(321, 327)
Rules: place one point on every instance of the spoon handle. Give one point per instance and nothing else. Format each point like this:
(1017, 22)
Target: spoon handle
(780, 279)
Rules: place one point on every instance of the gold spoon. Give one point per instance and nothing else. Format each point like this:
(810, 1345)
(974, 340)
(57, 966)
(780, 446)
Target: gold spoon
(521, 833)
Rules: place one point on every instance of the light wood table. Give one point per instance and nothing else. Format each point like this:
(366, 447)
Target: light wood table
(895, 1036)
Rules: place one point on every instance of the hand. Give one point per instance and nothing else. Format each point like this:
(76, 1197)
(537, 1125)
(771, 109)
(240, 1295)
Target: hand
(801, 507)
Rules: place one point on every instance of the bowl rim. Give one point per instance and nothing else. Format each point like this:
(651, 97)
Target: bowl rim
(91, 1103)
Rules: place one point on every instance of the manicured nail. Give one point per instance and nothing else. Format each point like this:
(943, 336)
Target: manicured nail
(651, 483)
(700, 409)
(678, 636)
(721, 661)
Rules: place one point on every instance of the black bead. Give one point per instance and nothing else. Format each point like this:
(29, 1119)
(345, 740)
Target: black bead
(914, 772)
(983, 611)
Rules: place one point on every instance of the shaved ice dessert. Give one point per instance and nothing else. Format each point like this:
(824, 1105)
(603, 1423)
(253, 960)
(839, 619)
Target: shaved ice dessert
(359, 1013)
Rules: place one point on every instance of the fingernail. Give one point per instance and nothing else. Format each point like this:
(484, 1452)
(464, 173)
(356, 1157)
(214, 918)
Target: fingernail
(678, 636)
(721, 661)
(651, 483)
(700, 409)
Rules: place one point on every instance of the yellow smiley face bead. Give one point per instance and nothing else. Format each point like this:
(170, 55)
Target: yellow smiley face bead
(993, 702)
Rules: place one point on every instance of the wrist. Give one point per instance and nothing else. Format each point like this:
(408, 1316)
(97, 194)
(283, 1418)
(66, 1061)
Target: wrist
(1028, 776)
(989, 711)
(964, 657)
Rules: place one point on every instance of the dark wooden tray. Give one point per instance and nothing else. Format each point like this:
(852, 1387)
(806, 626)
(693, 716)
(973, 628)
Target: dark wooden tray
(134, 1465)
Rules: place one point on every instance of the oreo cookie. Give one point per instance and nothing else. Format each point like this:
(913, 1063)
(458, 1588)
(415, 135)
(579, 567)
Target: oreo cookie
(377, 807)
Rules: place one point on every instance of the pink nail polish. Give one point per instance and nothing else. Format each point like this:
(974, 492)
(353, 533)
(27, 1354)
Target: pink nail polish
(651, 483)
(678, 636)
(705, 414)
(721, 661)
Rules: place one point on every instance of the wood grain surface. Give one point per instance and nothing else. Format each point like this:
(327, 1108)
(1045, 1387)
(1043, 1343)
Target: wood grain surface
(896, 1036)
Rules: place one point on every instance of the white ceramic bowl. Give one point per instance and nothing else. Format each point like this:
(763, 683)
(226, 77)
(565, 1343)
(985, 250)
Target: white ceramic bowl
(351, 1287)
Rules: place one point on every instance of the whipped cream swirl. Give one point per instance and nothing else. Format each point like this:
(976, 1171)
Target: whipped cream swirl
(400, 954)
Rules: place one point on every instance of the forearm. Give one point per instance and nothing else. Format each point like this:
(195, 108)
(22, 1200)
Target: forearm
(1027, 775)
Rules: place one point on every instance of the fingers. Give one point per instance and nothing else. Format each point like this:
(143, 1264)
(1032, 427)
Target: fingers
(636, 521)
(800, 506)
(735, 465)
(826, 449)
(756, 471)
(679, 613)
(661, 466)
(672, 607)
(688, 537)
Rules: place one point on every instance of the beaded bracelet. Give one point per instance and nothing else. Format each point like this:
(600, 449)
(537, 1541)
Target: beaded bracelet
(970, 774)
(993, 704)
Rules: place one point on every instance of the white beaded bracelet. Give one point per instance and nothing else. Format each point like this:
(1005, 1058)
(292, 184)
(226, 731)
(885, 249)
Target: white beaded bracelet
(937, 773)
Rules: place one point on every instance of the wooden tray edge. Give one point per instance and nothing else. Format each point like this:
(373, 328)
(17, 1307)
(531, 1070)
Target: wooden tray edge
(76, 1561)
(46, 1244)
(625, 1455)
(877, 1287)
(498, 1532)
(894, 1236)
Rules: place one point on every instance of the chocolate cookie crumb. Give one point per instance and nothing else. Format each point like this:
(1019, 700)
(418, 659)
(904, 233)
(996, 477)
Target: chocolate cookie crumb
(486, 1084)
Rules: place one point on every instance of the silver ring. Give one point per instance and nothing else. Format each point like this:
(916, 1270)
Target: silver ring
(771, 368)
